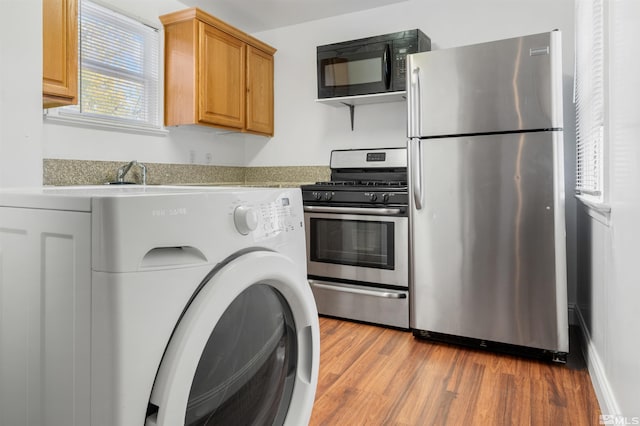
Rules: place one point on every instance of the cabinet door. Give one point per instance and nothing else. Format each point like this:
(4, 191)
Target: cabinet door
(59, 52)
(259, 91)
(45, 332)
(221, 74)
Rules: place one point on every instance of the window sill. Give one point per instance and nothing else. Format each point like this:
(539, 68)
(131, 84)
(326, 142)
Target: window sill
(599, 211)
(71, 119)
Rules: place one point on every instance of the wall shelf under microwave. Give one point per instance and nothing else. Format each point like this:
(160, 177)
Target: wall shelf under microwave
(352, 101)
(375, 98)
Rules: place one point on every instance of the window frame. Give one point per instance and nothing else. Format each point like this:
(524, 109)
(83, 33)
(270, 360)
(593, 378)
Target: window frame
(597, 203)
(65, 115)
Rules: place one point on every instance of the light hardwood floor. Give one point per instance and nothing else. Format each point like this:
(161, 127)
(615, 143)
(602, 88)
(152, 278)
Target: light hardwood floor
(378, 376)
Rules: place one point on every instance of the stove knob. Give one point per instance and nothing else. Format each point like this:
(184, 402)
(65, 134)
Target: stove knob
(328, 196)
(385, 198)
(317, 196)
(246, 219)
(373, 196)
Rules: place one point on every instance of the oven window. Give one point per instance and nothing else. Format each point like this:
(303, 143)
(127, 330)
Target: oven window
(352, 242)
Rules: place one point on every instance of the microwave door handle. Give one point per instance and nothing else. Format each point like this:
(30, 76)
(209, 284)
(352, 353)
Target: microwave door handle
(386, 60)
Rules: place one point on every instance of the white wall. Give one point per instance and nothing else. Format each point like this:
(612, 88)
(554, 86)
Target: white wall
(609, 287)
(182, 145)
(20, 93)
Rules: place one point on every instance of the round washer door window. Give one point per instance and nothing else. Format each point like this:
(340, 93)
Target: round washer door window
(245, 351)
(246, 371)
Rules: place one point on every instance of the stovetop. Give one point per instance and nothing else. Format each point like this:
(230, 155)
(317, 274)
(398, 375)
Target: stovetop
(362, 177)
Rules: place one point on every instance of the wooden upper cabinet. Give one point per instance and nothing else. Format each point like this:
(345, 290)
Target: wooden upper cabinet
(59, 52)
(259, 91)
(222, 78)
(216, 75)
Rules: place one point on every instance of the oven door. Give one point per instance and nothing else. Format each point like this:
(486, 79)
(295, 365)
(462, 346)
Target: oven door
(354, 70)
(371, 248)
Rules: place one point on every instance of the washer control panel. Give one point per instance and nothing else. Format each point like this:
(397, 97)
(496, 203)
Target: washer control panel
(266, 219)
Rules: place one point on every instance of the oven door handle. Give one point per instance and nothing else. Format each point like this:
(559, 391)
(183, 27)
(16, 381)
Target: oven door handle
(384, 211)
(384, 293)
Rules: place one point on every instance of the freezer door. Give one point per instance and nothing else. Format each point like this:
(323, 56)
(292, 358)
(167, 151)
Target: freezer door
(488, 245)
(505, 85)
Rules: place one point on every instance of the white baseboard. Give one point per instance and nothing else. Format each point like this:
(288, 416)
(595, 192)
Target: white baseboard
(608, 403)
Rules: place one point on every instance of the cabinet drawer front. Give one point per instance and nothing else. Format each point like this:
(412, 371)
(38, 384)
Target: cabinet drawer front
(362, 303)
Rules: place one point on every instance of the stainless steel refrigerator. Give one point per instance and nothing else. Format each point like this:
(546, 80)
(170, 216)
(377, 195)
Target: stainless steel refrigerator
(487, 249)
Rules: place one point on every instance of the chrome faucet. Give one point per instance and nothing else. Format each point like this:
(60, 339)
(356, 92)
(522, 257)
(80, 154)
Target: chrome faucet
(122, 171)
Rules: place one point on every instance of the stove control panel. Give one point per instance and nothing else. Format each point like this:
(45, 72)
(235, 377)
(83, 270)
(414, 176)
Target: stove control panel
(322, 195)
(376, 196)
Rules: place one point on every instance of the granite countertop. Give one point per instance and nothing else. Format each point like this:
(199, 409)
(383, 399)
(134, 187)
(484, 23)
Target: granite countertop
(83, 172)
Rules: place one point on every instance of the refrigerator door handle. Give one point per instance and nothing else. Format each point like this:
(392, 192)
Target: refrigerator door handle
(414, 96)
(415, 149)
(415, 154)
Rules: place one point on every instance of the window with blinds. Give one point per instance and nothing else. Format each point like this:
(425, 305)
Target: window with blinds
(119, 68)
(589, 98)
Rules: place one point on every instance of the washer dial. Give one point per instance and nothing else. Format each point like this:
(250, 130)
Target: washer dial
(245, 219)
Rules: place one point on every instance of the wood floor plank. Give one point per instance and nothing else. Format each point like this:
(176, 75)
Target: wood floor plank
(373, 375)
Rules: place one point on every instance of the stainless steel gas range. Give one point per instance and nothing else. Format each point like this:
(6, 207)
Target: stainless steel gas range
(358, 237)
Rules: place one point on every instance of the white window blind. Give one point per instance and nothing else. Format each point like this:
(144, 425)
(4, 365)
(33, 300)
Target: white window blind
(119, 67)
(589, 98)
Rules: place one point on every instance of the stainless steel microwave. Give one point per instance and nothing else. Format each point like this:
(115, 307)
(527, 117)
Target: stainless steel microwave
(369, 65)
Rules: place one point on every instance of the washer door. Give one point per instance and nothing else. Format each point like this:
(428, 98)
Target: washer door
(246, 350)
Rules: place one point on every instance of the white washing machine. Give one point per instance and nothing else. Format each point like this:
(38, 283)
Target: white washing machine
(157, 306)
